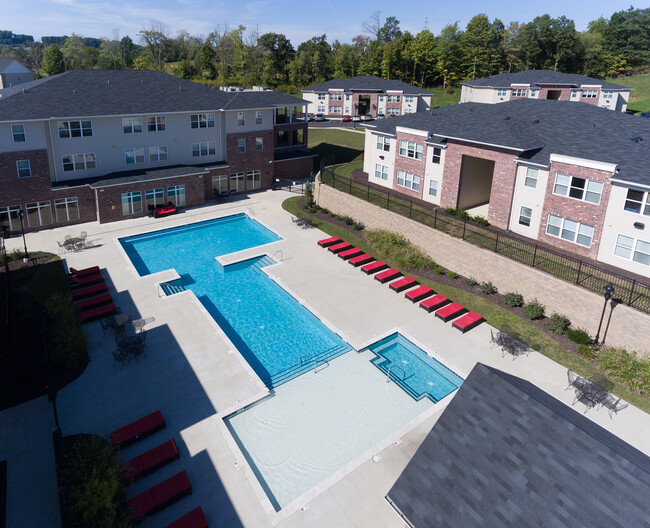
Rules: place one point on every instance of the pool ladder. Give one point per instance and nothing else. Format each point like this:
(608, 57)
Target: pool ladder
(391, 368)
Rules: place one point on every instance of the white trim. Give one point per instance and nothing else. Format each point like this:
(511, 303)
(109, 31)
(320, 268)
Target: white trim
(486, 144)
(531, 164)
(149, 180)
(581, 162)
(630, 184)
(412, 131)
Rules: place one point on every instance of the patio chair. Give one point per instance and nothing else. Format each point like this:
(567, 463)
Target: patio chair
(120, 358)
(613, 405)
(62, 247)
(107, 323)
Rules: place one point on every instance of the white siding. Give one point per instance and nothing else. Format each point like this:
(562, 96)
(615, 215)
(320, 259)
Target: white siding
(371, 157)
(34, 137)
(528, 197)
(618, 221)
(312, 98)
(433, 171)
(249, 121)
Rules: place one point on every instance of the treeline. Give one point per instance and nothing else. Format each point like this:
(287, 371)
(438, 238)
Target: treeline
(8, 38)
(240, 56)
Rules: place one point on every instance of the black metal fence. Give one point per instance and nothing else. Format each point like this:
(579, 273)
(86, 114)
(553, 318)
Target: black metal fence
(629, 291)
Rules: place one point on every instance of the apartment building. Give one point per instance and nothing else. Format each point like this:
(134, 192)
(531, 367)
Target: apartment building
(572, 176)
(107, 145)
(546, 84)
(13, 73)
(366, 95)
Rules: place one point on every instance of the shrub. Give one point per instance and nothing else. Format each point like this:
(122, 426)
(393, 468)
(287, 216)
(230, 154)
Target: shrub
(450, 210)
(347, 220)
(559, 323)
(534, 310)
(358, 225)
(625, 366)
(316, 207)
(394, 247)
(309, 194)
(479, 220)
(462, 214)
(324, 211)
(452, 274)
(312, 210)
(68, 345)
(488, 288)
(438, 270)
(513, 299)
(15, 254)
(471, 281)
(586, 352)
(578, 335)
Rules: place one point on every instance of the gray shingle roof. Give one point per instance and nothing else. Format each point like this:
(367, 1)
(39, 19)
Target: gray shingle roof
(80, 93)
(367, 82)
(541, 127)
(541, 77)
(505, 453)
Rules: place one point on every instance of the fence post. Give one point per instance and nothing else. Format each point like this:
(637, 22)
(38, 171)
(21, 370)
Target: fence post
(410, 208)
(534, 255)
(388, 201)
(579, 270)
(435, 218)
(629, 303)
(464, 227)
(496, 243)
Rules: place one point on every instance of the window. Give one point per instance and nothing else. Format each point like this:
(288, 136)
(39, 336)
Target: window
(134, 155)
(631, 249)
(608, 95)
(589, 94)
(519, 92)
(335, 109)
(24, 170)
(39, 214)
(10, 217)
(525, 215)
(202, 120)
(240, 119)
(408, 180)
(437, 155)
(321, 109)
(66, 209)
(241, 146)
(131, 203)
(259, 143)
(132, 125)
(156, 123)
(253, 180)
(154, 198)
(532, 175)
(569, 230)
(381, 98)
(347, 97)
(75, 162)
(219, 185)
(176, 194)
(410, 149)
(158, 153)
(205, 148)
(392, 111)
(502, 92)
(383, 143)
(638, 201)
(237, 182)
(381, 172)
(322, 97)
(259, 117)
(74, 129)
(408, 98)
(533, 93)
(393, 98)
(578, 188)
(433, 188)
(18, 133)
(408, 111)
(336, 97)
(575, 94)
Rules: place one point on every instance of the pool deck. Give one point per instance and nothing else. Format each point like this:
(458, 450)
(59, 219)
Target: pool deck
(193, 374)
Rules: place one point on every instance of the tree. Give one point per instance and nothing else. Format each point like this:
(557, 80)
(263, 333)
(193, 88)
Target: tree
(511, 44)
(424, 56)
(142, 62)
(390, 31)
(278, 54)
(206, 55)
(127, 52)
(313, 62)
(53, 60)
(449, 43)
(628, 34)
(74, 52)
(156, 41)
(480, 46)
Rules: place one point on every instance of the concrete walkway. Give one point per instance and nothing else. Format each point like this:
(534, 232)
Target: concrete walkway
(195, 376)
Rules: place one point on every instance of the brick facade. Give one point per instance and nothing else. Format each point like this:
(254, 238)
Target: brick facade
(414, 166)
(574, 209)
(565, 92)
(293, 169)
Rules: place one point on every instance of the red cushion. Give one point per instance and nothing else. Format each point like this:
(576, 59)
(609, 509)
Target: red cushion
(374, 266)
(101, 299)
(132, 469)
(361, 259)
(90, 279)
(141, 505)
(340, 247)
(348, 253)
(467, 320)
(137, 428)
(387, 275)
(422, 290)
(194, 519)
(171, 488)
(93, 313)
(329, 241)
(90, 290)
(159, 455)
(85, 271)
(403, 283)
(450, 310)
(433, 302)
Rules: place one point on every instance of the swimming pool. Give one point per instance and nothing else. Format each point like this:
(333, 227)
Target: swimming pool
(278, 337)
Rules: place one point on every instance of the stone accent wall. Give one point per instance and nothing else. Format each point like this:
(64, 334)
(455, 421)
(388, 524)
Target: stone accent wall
(576, 210)
(581, 306)
(414, 166)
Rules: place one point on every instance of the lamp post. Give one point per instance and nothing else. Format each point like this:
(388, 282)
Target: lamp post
(21, 215)
(609, 291)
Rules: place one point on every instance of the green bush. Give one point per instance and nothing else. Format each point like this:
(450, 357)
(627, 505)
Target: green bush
(513, 299)
(479, 220)
(347, 220)
(632, 371)
(396, 248)
(534, 309)
(312, 210)
(452, 274)
(471, 281)
(559, 324)
(450, 210)
(309, 194)
(324, 211)
(438, 270)
(488, 288)
(462, 214)
(358, 226)
(316, 207)
(586, 352)
(578, 335)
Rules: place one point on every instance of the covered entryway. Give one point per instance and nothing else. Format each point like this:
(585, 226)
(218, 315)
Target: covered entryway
(364, 105)
(475, 182)
(554, 94)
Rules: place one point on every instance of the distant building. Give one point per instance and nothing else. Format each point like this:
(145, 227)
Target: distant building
(366, 95)
(13, 73)
(546, 84)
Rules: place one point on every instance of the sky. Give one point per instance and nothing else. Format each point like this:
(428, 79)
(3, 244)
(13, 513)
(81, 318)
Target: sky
(298, 20)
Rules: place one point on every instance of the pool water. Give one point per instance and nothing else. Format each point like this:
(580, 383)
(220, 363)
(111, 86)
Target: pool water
(277, 336)
(413, 369)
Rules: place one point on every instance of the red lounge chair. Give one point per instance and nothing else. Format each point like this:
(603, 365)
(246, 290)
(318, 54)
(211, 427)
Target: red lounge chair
(86, 281)
(94, 301)
(164, 210)
(161, 495)
(467, 322)
(349, 253)
(326, 242)
(388, 275)
(361, 260)
(374, 267)
(137, 430)
(418, 294)
(450, 311)
(84, 272)
(435, 302)
(101, 311)
(194, 519)
(80, 293)
(341, 246)
(403, 284)
(150, 461)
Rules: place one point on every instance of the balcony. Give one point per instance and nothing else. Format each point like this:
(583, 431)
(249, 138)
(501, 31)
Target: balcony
(290, 114)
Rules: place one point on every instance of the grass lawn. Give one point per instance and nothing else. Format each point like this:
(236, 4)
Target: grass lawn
(493, 314)
(640, 96)
(442, 98)
(341, 145)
